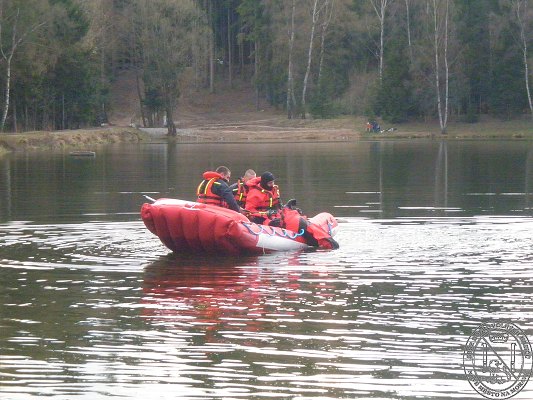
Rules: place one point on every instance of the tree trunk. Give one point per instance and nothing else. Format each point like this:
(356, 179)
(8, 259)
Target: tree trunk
(63, 113)
(15, 121)
(8, 56)
(241, 54)
(290, 82)
(381, 16)
(436, 45)
(256, 73)
(446, 71)
(327, 19)
(137, 77)
(26, 126)
(523, 39)
(230, 52)
(309, 55)
(44, 114)
(211, 48)
(140, 96)
(53, 117)
(7, 92)
(408, 15)
(171, 126)
(443, 115)
(102, 68)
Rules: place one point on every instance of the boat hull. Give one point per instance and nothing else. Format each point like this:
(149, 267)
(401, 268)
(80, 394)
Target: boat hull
(190, 227)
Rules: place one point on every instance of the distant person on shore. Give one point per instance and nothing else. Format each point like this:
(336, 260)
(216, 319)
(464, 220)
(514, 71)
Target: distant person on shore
(240, 188)
(214, 189)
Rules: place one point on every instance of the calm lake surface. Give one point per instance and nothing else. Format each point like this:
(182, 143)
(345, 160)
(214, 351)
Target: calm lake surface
(435, 238)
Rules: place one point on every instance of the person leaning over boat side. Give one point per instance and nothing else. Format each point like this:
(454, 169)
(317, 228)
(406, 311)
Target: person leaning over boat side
(240, 188)
(263, 200)
(214, 189)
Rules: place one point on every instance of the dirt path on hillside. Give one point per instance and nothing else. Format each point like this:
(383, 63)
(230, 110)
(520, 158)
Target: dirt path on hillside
(230, 114)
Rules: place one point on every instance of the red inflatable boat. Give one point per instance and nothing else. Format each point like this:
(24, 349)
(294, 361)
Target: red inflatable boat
(185, 226)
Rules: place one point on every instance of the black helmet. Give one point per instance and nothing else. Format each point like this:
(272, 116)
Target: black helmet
(265, 178)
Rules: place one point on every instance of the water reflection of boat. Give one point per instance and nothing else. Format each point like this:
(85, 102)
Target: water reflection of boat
(183, 290)
(189, 227)
(247, 294)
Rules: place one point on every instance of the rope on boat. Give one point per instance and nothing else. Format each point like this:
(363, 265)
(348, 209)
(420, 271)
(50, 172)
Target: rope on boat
(273, 232)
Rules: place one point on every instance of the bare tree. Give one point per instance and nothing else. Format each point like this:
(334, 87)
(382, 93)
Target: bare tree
(520, 8)
(252, 29)
(167, 36)
(136, 60)
(211, 39)
(9, 24)
(256, 73)
(230, 46)
(408, 17)
(440, 25)
(380, 7)
(290, 78)
(314, 19)
(328, 13)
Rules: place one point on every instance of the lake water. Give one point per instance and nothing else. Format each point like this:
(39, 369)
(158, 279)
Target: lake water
(435, 237)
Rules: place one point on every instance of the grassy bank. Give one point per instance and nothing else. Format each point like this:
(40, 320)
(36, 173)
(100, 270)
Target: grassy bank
(486, 129)
(273, 129)
(279, 129)
(79, 139)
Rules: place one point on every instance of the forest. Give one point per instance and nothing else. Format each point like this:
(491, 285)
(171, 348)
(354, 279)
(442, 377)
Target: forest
(399, 60)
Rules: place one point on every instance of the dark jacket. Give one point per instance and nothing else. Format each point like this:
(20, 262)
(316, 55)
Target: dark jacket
(223, 190)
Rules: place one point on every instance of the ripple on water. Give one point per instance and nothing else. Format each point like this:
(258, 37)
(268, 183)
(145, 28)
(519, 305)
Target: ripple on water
(97, 309)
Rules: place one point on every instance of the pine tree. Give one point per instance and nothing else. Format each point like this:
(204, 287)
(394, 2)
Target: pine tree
(508, 97)
(394, 100)
(473, 21)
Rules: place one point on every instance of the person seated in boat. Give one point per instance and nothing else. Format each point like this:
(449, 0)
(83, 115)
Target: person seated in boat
(214, 189)
(240, 188)
(263, 199)
(294, 220)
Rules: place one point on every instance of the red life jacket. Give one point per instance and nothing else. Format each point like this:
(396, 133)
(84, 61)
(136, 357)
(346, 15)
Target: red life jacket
(313, 235)
(268, 200)
(205, 189)
(240, 192)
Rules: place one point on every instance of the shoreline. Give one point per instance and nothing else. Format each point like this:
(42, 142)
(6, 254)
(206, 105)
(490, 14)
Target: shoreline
(346, 129)
(79, 139)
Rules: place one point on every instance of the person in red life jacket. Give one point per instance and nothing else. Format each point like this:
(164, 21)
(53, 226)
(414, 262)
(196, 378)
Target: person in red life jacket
(240, 188)
(214, 189)
(263, 199)
(293, 219)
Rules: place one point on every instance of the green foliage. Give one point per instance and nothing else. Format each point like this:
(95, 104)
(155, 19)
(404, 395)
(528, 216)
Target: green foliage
(321, 104)
(254, 19)
(61, 71)
(77, 92)
(394, 100)
(53, 78)
(473, 22)
(274, 83)
(344, 54)
(71, 24)
(471, 116)
(508, 94)
(153, 100)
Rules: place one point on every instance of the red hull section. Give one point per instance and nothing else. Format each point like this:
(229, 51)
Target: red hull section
(189, 227)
